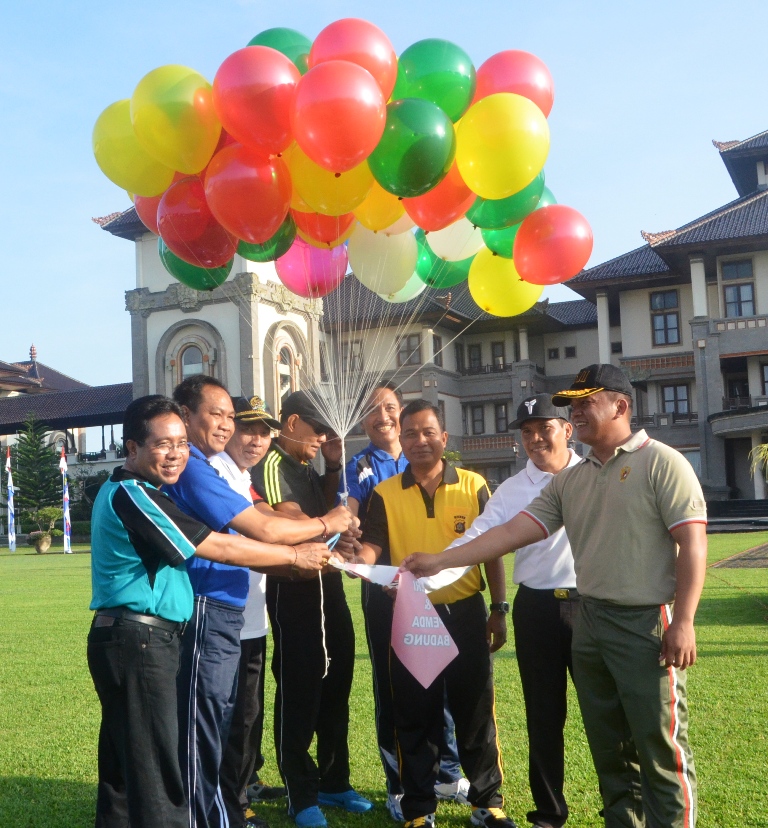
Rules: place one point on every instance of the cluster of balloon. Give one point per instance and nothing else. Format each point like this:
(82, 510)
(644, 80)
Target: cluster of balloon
(418, 171)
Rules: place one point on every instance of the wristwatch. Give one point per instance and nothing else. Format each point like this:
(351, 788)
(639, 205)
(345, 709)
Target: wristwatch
(502, 607)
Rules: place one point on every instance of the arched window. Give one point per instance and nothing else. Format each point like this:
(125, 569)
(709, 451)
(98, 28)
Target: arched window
(191, 361)
(286, 373)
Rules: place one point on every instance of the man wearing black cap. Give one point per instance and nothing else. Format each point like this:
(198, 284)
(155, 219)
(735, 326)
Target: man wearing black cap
(314, 641)
(545, 603)
(636, 519)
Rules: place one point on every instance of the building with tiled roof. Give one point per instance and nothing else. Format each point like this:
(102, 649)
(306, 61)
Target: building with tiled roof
(686, 316)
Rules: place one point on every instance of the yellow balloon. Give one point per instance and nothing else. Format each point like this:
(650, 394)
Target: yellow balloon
(380, 209)
(122, 158)
(501, 145)
(326, 192)
(297, 202)
(335, 243)
(174, 119)
(497, 288)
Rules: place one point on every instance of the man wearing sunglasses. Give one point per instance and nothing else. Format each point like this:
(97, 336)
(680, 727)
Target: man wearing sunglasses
(314, 640)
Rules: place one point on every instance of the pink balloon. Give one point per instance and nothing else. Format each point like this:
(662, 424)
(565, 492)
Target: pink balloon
(310, 271)
(552, 245)
(518, 72)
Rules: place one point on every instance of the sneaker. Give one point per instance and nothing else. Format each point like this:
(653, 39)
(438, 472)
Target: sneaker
(426, 821)
(310, 818)
(348, 800)
(455, 791)
(253, 821)
(492, 818)
(394, 807)
(259, 792)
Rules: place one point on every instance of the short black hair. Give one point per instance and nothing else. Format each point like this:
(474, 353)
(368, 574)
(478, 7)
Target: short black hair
(189, 392)
(388, 386)
(142, 411)
(415, 406)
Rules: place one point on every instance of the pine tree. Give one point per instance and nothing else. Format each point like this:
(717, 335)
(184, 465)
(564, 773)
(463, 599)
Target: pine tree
(35, 470)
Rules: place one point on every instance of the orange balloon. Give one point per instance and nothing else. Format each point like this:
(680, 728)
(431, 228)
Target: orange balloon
(360, 42)
(443, 204)
(339, 114)
(315, 227)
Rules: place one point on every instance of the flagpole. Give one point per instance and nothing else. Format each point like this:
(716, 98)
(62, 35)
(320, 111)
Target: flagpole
(11, 511)
(65, 502)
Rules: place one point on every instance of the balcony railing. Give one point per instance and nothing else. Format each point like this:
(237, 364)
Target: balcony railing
(743, 403)
(491, 441)
(665, 419)
(492, 368)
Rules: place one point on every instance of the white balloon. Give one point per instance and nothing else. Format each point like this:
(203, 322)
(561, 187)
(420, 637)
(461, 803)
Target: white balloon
(457, 241)
(382, 263)
(412, 288)
(405, 222)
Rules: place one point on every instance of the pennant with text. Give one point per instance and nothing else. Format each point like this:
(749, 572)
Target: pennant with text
(11, 510)
(65, 500)
(419, 637)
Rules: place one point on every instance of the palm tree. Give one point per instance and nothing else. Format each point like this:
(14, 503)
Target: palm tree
(759, 458)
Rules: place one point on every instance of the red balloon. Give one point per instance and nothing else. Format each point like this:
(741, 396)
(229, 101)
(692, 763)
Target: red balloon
(189, 229)
(253, 94)
(443, 204)
(360, 42)
(323, 229)
(248, 192)
(518, 72)
(552, 245)
(146, 209)
(338, 115)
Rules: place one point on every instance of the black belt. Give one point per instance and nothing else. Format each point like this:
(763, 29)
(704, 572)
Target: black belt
(120, 613)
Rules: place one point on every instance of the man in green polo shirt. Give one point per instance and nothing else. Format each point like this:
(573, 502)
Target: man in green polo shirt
(636, 519)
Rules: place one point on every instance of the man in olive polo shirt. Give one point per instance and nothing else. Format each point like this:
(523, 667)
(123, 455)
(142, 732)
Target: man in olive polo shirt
(636, 519)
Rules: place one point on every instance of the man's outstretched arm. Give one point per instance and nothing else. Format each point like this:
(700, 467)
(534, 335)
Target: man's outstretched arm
(520, 531)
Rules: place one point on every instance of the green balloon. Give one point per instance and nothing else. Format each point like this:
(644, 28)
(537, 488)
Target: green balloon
(416, 150)
(501, 241)
(436, 272)
(493, 214)
(198, 278)
(438, 71)
(546, 199)
(273, 248)
(294, 45)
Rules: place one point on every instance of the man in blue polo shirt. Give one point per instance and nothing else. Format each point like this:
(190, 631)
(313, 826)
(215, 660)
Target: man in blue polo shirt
(381, 459)
(210, 651)
(142, 598)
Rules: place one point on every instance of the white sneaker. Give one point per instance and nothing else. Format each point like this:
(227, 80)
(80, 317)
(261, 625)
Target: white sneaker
(394, 808)
(453, 791)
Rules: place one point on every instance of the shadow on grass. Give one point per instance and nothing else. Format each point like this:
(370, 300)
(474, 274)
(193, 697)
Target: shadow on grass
(46, 803)
(745, 608)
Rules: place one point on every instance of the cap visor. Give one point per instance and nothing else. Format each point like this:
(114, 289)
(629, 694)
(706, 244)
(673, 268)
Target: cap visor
(563, 398)
(518, 423)
(254, 418)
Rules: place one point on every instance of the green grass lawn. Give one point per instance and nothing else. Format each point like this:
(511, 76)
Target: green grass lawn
(49, 710)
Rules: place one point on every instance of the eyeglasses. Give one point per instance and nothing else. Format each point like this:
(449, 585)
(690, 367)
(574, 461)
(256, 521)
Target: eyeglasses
(317, 427)
(167, 448)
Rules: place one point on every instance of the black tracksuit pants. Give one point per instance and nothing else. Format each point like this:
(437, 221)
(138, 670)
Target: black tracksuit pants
(468, 683)
(306, 703)
(543, 632)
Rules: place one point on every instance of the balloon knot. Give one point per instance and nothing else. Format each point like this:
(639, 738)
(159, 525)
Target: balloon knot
(337, 175)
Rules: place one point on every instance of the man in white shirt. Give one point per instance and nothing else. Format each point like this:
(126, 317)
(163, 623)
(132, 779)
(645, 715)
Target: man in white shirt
(242, 757)
(545, 603)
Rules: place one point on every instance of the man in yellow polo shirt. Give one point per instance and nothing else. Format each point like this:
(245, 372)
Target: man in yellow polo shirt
(426, 507)
(636, 519)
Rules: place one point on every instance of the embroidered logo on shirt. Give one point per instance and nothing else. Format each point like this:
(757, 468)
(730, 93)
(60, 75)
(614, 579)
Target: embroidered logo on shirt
(624, 474)
(460, 524)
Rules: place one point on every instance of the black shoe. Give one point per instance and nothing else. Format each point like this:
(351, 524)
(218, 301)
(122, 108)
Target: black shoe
(252, 821)
(492, 818)
(259, 792)
(426, 821)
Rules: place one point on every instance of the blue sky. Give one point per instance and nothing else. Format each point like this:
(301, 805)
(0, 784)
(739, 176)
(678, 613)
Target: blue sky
(641, 89)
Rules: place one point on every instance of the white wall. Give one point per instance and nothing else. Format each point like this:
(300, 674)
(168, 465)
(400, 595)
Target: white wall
(636, 337)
